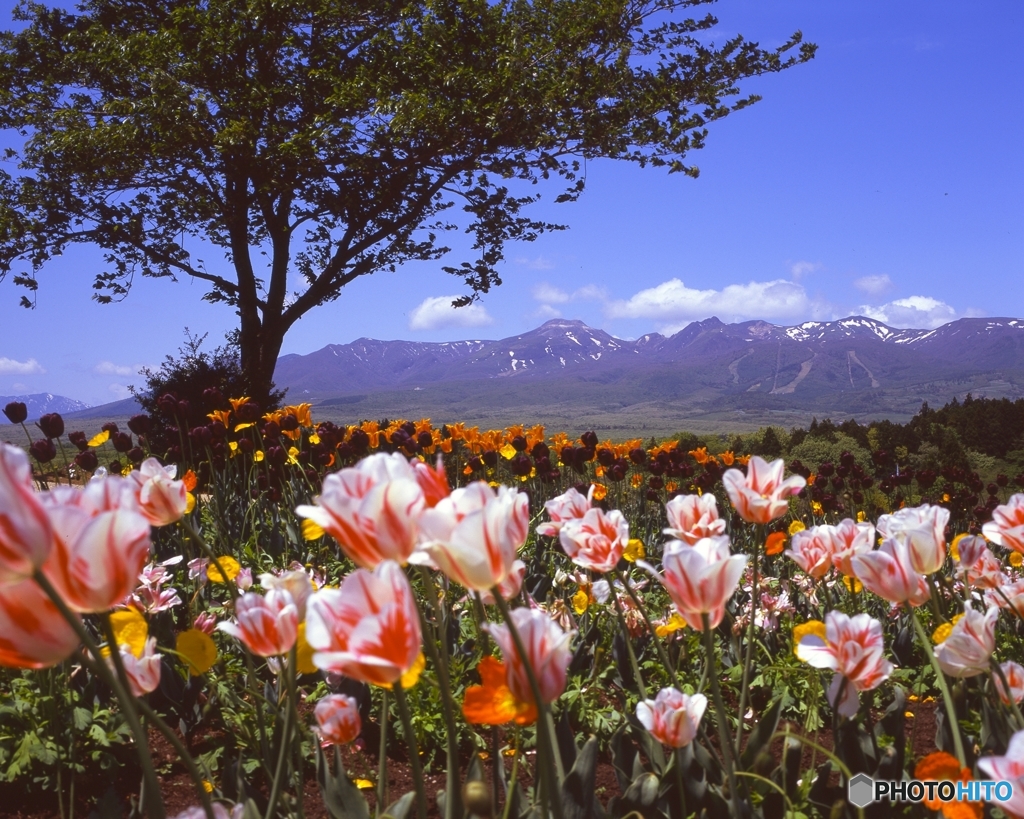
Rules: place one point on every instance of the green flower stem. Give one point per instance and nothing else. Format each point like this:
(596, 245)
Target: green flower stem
(720, 716)
(662, 654)
(629, 643)
(679, 783)
(293, 703)
(439, 659)
(250, 668)
(382, 759)
(413, 747)
(940, 678)
(544, 738)
(749, 654)
(507, 812)
(288, 669)
(154, 800)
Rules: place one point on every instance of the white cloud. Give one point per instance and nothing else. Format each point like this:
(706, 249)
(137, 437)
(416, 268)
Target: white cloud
(919, 312)
(110, 368)
(873, 285)
(800, 269)
(18, 387)
(8, 366)
(538, 263)
(436, 312)
(546, 311)
(674, 304)
(549, 294)
(119, 391)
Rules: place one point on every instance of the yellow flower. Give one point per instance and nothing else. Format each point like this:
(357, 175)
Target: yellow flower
(362, 784)
(258, 455)
(100, 438)
(954, 547)
(190, 503)
(634, 550)
(796, 526)
(207, 786)
(853, 584)
(220, 415)
(816, 509)
(198, 650)
(941, 633)
(311, 530)
(240, 427)
(236, 403)
(580, 601)
(1016, 559)
(861, 517)
(231, 568)
(814, 628)
(304, 652)
(508, 452)
(673, 624)
(130, 629)
(412, 676)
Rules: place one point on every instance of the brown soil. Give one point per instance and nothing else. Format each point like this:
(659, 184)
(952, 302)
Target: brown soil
(179, 792)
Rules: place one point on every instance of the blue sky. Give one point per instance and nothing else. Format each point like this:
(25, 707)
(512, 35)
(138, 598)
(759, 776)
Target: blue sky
(885, 177)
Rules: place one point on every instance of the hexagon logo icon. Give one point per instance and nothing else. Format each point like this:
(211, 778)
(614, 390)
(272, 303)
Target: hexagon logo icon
(861, 790)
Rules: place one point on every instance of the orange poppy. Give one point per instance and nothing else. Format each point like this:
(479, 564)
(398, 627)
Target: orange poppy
(493, 702)
(943, 767)
(773, 545)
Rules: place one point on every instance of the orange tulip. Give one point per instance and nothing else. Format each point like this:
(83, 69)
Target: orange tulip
(33, 634)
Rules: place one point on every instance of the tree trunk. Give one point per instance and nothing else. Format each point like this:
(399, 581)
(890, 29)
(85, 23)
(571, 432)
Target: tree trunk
(260, 345)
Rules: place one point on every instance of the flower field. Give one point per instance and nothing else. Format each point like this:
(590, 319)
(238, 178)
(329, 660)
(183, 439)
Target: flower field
(503, 615)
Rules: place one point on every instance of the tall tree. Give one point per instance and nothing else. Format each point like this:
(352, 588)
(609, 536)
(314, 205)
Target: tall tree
(332, 136)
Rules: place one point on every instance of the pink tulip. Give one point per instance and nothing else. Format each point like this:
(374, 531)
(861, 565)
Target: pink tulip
(568, 506)
(848, 538)
(967, 650)
(371, 509)
(692, 517)
(33, 634)
(761, 495)
(811, 550)
(597, 540)
(369, 629)
(1007, 596)
(672, 717)
(1006, 528)
(26, 535)
(474, 535)
(266, 624)
(337, 717)
(433, 480)
(1009, 768)
(547, 652)
(887, 572)
(161, 498)
(97, 558)
(205, 622)
(509, 587)
(923, 530)
(700, 578)
(143, 672)
(853, 648)
(1014, 674)
(244, 579)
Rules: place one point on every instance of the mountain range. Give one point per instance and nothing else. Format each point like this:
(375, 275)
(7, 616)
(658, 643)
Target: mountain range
(40, 404)
(853, 365)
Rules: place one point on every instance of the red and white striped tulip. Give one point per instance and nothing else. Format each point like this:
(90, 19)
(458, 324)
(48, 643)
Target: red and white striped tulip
(337, 719)
(848, 538)
(474, 535)
(267, 625)
(371, 509)
(547, 652)
(692, 517)
(33, 634)
(700, 578)
(672, 717)
(143, 672)
(369, 629)
(1006, 528)
(161, 498)
(26, 535)
(761, 495)
(1008, 768)
(811, 550)
(597, 540)
(565, 507)
(967, 650)
(888, 572)
(853, 648)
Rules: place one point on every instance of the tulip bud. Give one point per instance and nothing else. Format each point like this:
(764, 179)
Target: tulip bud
(87, 460)
(79, 440)
(249, 412)
(52, 425)
(140, 424)
(16, 412)
(122, 441)
(477, 797)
